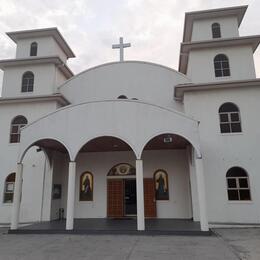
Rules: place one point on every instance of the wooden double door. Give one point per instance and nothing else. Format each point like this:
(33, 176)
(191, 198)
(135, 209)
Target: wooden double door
(121, 198)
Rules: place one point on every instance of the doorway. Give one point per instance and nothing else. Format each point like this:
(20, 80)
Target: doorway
(130, 197)
(122, 200)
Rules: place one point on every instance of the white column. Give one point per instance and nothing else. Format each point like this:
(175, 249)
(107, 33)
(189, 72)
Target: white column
(17, 196)
(71, 196)
(140, 195)
(201, 194)
(193, 185)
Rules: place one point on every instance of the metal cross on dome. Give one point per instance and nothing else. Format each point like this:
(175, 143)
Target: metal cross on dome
(121, 46)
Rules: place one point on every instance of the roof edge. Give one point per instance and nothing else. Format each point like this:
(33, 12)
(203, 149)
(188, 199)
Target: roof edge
(124, 62)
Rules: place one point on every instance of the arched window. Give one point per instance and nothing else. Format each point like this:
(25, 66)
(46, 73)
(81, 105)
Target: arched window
(229, 118)
(16, 125)
(33, 50)
(9, 188)
(86, 187)
(221, 66)
(161, 185)
(238, 184)
(122, 97)
(216, 33)
(27, 82)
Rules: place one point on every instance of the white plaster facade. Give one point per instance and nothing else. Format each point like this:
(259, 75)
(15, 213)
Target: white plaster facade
(66, 112)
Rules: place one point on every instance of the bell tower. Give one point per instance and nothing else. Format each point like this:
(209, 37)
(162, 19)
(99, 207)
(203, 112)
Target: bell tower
(212, 49)
(40, 63)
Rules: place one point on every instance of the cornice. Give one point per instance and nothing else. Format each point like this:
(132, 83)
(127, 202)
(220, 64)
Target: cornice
(38, 60)
(29, 99)
(180, 89)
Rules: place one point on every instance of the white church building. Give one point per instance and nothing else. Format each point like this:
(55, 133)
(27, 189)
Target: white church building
(133, 139)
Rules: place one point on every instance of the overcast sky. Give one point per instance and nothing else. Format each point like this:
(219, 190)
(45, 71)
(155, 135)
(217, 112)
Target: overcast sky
(154, 27)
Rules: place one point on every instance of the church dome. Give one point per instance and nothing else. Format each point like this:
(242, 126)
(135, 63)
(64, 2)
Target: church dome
(134, 80)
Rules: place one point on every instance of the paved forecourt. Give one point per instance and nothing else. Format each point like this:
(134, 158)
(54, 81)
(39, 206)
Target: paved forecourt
(34, 247)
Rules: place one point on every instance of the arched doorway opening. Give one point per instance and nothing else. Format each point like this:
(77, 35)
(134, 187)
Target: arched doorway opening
(56, 182)
(111, 162)
(166, 163)
(44, 152)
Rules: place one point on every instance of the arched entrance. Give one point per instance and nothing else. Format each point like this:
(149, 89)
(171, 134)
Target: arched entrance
(166, 162)
(111, 161)
(49, 147)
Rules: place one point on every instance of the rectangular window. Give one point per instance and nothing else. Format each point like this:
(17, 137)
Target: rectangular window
(27, 85)
(243, 183)
(238, 188)
(230, 122)
(244, 194)
(226, 72)
(9, 192)
(232, 183)
(235, 128)
(225, 128)
(233, 195)
(224, 118)
(15, 133)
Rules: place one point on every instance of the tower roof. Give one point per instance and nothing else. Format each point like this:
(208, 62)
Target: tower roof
(54, 32)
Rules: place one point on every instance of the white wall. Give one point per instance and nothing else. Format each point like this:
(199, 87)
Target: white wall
(201, 30)
(145, 81)
(174, 162)
(223, 151)
(60, 78)
(33, 168)
(201, 64)
(47, 46)
(44, 80)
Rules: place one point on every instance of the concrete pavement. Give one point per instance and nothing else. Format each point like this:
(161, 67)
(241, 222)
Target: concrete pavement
(231, 244)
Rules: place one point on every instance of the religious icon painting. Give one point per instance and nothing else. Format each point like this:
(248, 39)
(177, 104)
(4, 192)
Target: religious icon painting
(86, 187)
(161, 185)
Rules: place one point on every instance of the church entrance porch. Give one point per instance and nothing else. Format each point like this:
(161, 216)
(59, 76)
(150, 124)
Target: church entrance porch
(93, 191)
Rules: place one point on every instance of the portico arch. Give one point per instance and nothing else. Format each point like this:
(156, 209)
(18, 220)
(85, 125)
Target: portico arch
(110, 146)
(46, 145)
(172, 141)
